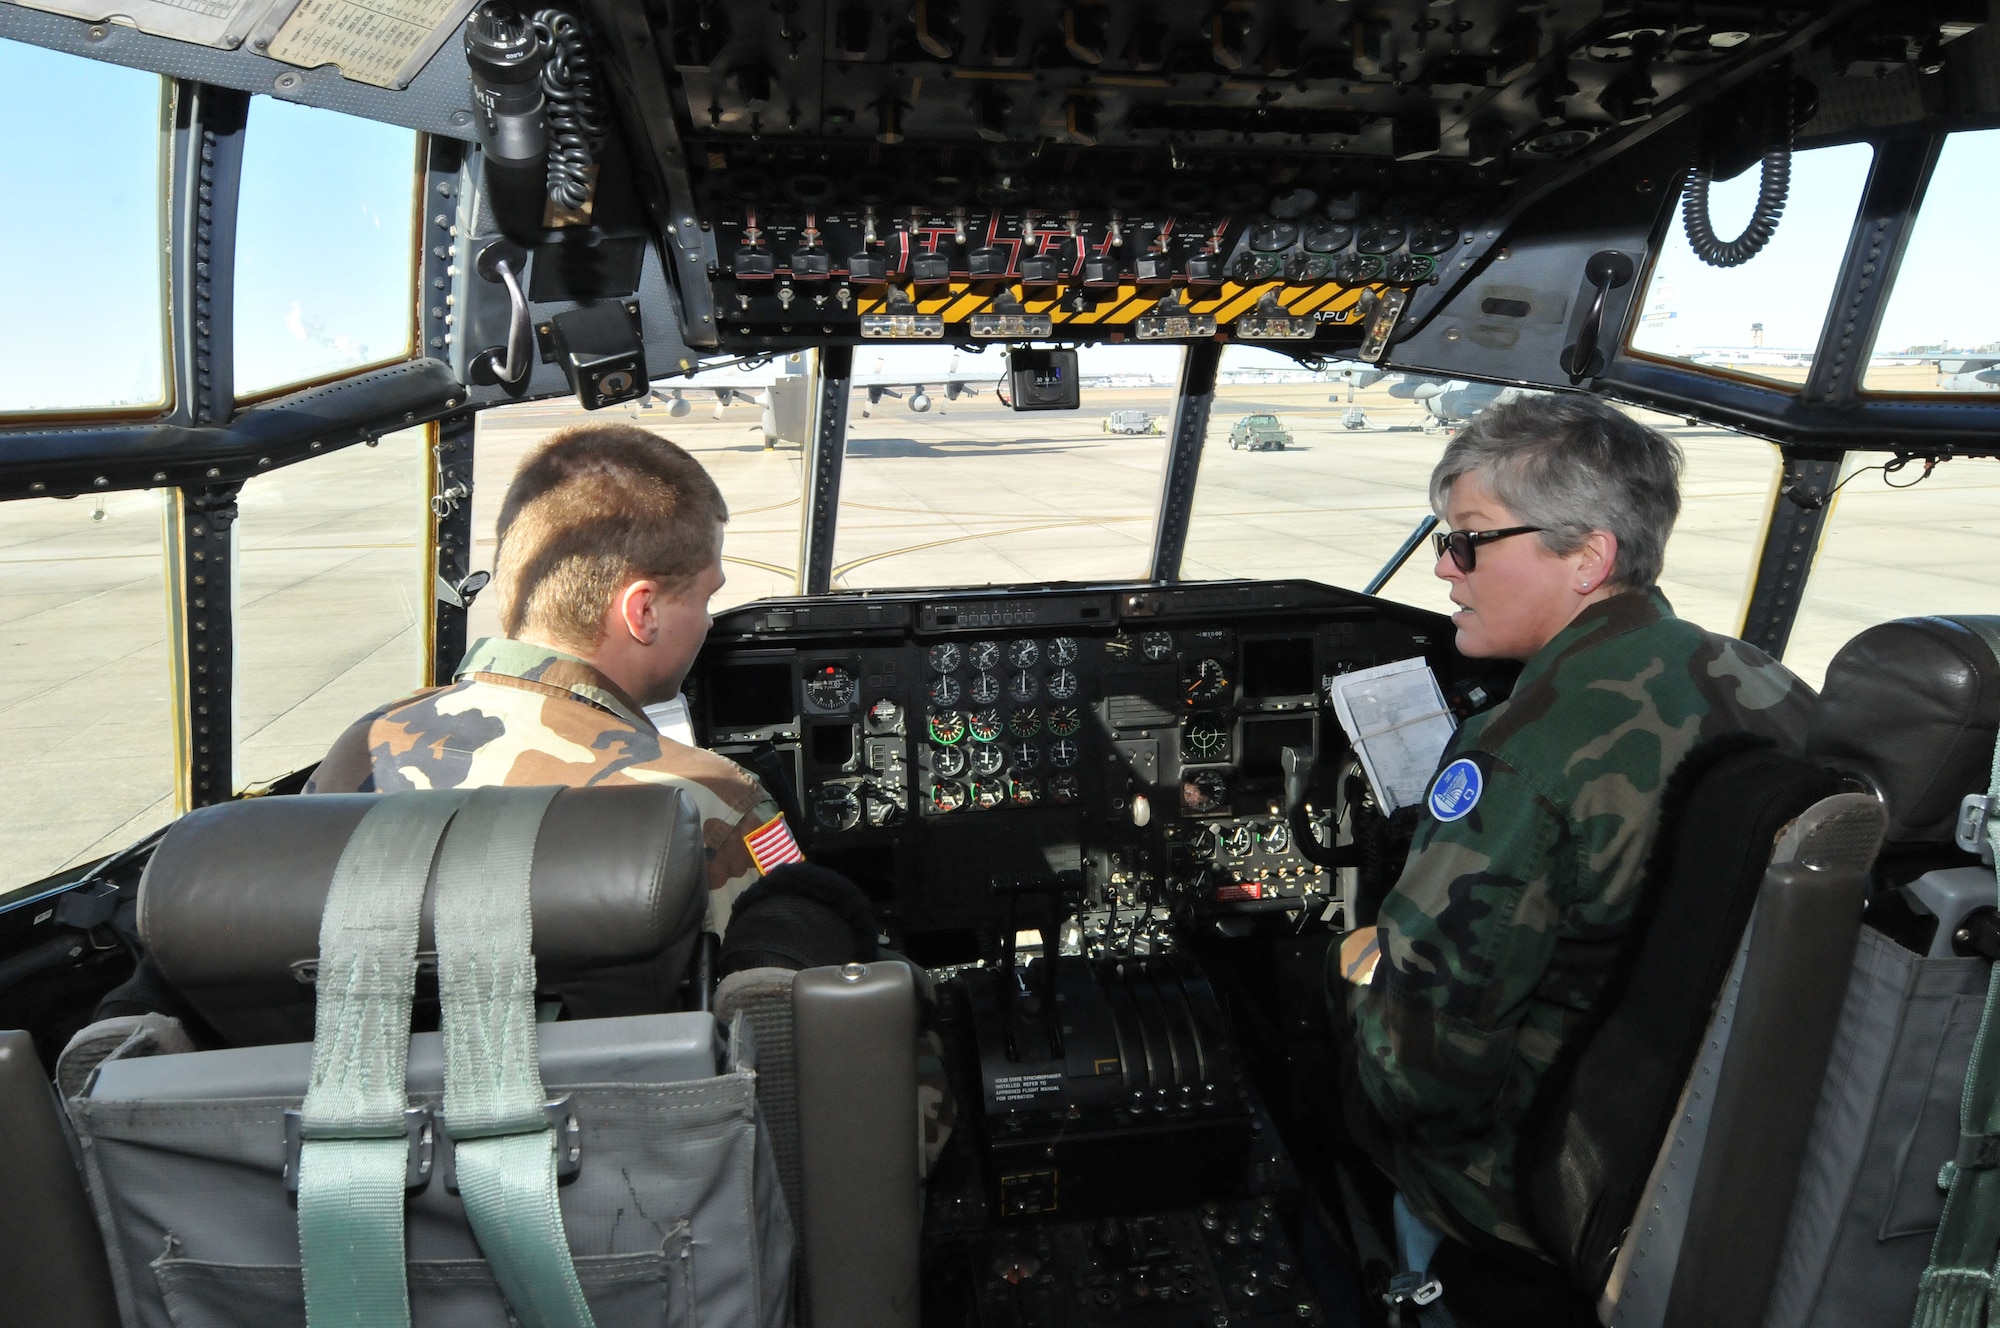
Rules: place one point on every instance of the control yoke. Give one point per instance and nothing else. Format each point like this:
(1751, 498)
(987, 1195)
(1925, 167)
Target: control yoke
(1298, 764)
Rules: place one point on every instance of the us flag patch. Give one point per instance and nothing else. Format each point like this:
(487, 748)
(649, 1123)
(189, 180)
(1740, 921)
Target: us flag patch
(771, 844)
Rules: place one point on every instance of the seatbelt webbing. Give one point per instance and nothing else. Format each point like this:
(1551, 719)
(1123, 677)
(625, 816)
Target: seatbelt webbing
(1959, 1283)
(493, 1098)
(354, 1150)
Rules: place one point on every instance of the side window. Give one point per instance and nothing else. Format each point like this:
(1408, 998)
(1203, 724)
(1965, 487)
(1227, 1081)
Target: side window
(86, 709)
(1762, 319)
(333, 598)
(85, 235)
(1941, 331)
(326, 233)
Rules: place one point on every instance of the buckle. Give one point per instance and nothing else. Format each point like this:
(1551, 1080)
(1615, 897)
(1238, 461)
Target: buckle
(1977, 1152)
(1412, 1289)
(419, 1129)
(1974, 814)
(557, 1115)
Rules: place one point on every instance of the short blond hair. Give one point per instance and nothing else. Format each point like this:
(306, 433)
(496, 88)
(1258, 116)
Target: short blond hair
(593, 508)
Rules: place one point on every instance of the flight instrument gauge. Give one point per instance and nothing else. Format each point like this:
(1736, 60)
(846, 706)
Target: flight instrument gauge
(985, 725)
(947, 795)
(1024, 654)
(944, 690)
(1063, 685)
(1026, 756)
(1205, 792)
(1062, 650)
(1206, 843)
(1278, 838)
(885, 716)
(988, 794)
(1063, 753)
(836, 807)
(1023, 686)
(1205, 740)
(947, 727)
(989, 758)
(1157, 646)
(985, 689)
(1025, 723)
(945, 656)
(1064, 721)
(984, 655)
(948, 762)
(1064, 788)
(1120, 646)
(1206, 682)
(830, 687)
(1241, 842)
(1027, 791)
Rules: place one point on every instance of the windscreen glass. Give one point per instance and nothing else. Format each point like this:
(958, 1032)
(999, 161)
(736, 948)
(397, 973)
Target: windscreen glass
(332, 598)
(83, 170)
(325, 246)
(1941, 331)
(86, 715)
(943, 485)
(1761, 319)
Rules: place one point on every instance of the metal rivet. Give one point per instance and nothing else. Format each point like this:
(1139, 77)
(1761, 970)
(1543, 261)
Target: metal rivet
(853, 972)
(214, 472)
(285, 82)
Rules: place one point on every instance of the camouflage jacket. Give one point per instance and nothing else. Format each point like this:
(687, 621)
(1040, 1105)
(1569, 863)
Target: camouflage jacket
(1532, 846)
(526, 714)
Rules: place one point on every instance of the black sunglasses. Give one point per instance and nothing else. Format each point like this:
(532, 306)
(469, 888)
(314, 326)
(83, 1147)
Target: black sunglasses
(1463, 545)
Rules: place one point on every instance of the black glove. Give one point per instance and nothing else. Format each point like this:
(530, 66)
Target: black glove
(799, 916)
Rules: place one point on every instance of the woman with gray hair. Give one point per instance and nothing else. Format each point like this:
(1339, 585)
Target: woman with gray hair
(1535, 831)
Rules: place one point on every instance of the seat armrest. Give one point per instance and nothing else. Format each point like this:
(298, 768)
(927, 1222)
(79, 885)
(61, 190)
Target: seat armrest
(51, 1256)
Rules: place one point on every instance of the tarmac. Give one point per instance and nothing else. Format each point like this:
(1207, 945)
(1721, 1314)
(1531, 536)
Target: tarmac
(332, 584)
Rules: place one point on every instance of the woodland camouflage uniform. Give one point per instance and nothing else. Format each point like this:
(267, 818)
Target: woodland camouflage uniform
(1489, 963)
(525, 714)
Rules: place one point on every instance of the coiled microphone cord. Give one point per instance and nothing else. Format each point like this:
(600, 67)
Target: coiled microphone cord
(1772, 189)
(578, 123)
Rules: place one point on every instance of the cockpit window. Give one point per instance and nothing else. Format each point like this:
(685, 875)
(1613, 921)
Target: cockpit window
(1763, 318)
(1896, 545)
(1941, 331)
(83, 170)
(943, 485)
(325, 246)
(86, 716)
(338, 539)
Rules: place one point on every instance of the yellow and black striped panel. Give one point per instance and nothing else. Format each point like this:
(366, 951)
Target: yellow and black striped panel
(1330, 302)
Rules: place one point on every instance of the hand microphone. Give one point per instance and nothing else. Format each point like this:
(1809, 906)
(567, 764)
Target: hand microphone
(505, 57)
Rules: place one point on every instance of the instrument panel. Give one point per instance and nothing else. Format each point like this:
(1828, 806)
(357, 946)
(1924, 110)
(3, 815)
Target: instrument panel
(1122, 748)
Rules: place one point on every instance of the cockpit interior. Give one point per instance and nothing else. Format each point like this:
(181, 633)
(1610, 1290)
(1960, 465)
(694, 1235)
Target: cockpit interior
(1074, 371)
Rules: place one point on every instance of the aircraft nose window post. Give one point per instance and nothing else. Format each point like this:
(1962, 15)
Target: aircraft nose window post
(970, 471)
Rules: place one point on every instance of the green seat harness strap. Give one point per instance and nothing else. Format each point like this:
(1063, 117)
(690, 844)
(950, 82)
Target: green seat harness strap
(1959, 1284)
(504, 1145)
(354, 1152)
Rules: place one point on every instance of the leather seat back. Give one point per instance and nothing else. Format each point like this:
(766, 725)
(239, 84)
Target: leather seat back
(230, 904)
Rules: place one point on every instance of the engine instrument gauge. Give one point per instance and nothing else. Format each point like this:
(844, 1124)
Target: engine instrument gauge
(1063, 685)
(1204, 793)
(1027, 791)
(1120, 646)
(985, 689)
(1063, 650)
(984, 655)
(1024, 654)
(836, 808)
(1025, 723)
(1207, 842)
(948, 762)
(1063, 753)
(947, 727)
(1277, 838)
(1206, 682)
(944, 690)
(1205, 740)
(989, 758)
(1157, 646)
(1024, 686)
(1026, 756)
(947, 795)
(945, 656)
(1064, 721)
(1064, 788)
(830, 687)
(1241, 841)
(985, 725)
(988, 794)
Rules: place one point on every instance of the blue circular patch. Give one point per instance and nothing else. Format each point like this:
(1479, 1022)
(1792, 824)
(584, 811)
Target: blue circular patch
(1456, 790)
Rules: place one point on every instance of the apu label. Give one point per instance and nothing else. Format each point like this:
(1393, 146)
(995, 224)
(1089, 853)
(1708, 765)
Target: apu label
(1025, 1087)
(1456, 790)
